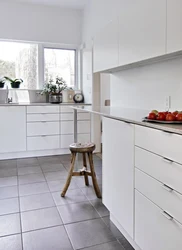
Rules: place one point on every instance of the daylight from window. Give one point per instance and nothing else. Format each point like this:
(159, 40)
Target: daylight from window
(60, 63)
(19, 60)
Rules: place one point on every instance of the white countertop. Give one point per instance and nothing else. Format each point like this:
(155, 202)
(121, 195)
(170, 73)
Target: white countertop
(43, 104)
(134, 116)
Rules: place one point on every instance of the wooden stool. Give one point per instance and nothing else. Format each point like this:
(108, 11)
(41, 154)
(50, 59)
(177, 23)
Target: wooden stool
(86, 148)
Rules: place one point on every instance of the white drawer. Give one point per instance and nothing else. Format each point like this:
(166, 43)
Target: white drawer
(42, 142)
(67, 127)
(42, 128)
(42, 117)
(66, 140)
(162, 143)
(154, 231)
(83, 127)
(42, 109)
(167, 199)
(83, 138)
(66, 109)
(161, 169)
(83, 116)
(66, 117)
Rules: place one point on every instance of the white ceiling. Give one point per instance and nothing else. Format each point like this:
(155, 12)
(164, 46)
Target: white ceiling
(74, 4)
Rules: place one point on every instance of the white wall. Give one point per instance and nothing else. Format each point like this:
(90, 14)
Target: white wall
(87, 75)
(147, 87)
(40, 23)
(105, 88)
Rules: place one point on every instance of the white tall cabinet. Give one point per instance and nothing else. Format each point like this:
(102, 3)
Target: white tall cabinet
(174, 25)
(118, 171)
(13, 129)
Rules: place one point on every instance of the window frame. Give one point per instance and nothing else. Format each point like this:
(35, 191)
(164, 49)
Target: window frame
(41, 63)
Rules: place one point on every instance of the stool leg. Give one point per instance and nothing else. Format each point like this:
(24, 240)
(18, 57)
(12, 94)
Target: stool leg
(94, 179)
(69, 175)
(85, 165)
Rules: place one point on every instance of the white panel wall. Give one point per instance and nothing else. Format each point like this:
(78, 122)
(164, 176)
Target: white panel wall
(147, 87)
(40, 23)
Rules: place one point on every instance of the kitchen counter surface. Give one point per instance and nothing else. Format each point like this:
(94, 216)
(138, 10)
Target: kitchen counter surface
(43, 104)
(129, 115)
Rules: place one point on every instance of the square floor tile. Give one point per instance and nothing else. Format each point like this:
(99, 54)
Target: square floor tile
(8, 192)
(34, 188)
(29, 170)
(48, 159)
(99, 206)
(126, 245)
(9, 224)
(114, 245)
(65, 158)
(58, 175)
(89, 192)
(72, 196)
(8, 164)
(12, 242)
(59, 185)
(30, 178)
(54, 238)
(9, 206)
(89, 233)
(117, 234)
(43, 218)
(8, 181)
(25, 162)
(7, 172)
(77, 212)
(51, 167)
(36, 202)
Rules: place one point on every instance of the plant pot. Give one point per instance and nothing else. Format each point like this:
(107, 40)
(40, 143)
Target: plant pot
(15, 85)
(55, 98)
(1, 85)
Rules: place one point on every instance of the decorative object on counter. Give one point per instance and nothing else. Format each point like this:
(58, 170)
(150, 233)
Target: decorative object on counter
(15, 84)
(68, 95)
(54, 89)
(2, 82)
(78, 98)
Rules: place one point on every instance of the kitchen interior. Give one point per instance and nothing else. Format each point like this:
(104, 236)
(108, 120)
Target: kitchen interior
(104, 76)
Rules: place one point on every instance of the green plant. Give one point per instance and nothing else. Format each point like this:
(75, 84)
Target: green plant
(54, 87)
(13, 81)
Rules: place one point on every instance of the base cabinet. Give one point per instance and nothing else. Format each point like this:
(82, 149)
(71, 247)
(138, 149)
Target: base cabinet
(118, 171)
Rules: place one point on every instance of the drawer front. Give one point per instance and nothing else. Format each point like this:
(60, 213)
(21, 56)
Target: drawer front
(152, 229)
(162, 143)
(66, 140)
(83, 116)
(42, 109)
(158, 167)
(42, 117)
(83, 127)
(66, 117)
(66, 109)
(42, 142)
(83, 138)
(42, 128)
(67, 127)
(163, 196)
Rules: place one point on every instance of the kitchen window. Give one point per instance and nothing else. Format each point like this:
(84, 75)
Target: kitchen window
(37, 63)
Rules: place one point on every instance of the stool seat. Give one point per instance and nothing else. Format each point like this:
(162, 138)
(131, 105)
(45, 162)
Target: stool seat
(82, 147)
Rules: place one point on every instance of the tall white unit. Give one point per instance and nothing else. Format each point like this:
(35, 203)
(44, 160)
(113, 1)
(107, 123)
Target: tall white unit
(118, 171)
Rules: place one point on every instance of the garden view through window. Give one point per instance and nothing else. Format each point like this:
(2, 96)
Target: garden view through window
(20, 60)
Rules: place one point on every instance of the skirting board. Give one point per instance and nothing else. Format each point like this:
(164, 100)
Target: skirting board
(126, 235)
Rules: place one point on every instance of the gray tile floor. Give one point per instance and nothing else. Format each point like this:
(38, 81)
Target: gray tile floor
(33, 215)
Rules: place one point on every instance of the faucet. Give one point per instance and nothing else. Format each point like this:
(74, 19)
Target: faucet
(8, 100)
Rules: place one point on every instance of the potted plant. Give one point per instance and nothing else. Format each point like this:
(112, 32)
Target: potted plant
(15, 84)
(2, 82)
(54, 89)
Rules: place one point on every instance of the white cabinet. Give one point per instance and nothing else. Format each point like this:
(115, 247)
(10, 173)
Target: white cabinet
(154, 229)
(42, 142)
(12, 129)
(118, 171)
(174, 25)
(142, 30)
(106, 47)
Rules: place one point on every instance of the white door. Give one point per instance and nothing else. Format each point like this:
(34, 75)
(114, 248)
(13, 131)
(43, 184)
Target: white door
(12, 129)
(106, 47)
(142, 30)
(118, 171)
(174, 25)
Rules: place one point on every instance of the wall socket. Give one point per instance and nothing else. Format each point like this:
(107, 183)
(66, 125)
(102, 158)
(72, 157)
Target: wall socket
(168, 102)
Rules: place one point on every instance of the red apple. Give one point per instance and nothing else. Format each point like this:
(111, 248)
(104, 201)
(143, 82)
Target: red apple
(175, 113)
(170, 117)
(161, 116)
(152, 116)
(179, 117)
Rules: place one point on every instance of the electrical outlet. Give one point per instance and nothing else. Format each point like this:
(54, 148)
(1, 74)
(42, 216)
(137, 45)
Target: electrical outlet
(168, 103)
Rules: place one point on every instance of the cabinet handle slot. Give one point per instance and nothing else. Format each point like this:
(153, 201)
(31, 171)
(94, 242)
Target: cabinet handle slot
(43, 135)
(168, 216)
(168, 188)
(168, 160)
